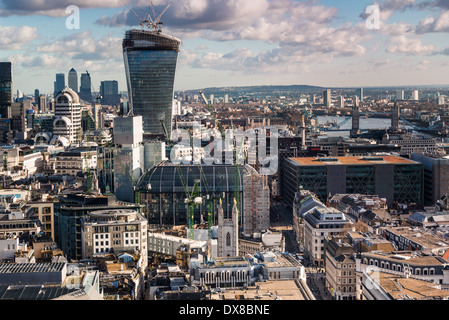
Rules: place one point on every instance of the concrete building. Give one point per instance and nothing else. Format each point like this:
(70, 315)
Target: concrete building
(115, 231)
(327, 101)
(42, 104)
(8, 247)
(234, 272)
(436, 176)
(67, 122)
(385, 286)
(400, 265)
(168, 245)
(340, 268)
(44, 211)
(71, 208)
(74, 162)
(395, 118)
(415, 239)
(256, 197)
(393, 178)
(410, 143)
(321, 222)
(48, 281)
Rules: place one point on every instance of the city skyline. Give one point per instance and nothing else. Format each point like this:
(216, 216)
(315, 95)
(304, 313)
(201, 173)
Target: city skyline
(234, 43)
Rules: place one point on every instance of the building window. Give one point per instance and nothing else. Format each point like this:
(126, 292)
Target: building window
(228, 239)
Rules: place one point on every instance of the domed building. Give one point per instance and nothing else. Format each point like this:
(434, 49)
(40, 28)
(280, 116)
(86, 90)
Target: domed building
(161, 189)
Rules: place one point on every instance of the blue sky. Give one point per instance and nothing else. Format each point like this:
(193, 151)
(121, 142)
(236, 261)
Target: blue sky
(235, 42)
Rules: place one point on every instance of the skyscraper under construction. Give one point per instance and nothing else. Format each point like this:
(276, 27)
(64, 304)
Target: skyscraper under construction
(150, 64)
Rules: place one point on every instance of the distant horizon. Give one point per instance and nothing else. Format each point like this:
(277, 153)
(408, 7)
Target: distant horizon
(340, 44)
(410, 87)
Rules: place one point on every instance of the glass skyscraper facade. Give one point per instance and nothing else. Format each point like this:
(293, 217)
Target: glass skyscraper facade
(150, 64)
(5, 89)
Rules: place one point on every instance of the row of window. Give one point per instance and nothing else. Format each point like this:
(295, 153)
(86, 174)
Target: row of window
(116, 242)
(398, 267)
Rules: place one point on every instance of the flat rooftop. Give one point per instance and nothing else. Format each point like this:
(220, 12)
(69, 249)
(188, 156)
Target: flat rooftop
(269, 290)
(313, 161)
(410, 289)
(426, 239)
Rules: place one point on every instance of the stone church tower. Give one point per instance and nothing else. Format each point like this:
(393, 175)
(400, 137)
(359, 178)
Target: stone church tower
(228, 234)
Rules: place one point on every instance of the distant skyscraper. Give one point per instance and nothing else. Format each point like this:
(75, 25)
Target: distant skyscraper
(360, 94)
(400, 95)
(150, 63)
(73, 80)
(341, 102)
(59, 83)
(43, 104)
(5, 89)
(355, 130)
(395, 118)
(85, 88)
(415, 95)
(109, 93)
(36, 96)
(327, 98)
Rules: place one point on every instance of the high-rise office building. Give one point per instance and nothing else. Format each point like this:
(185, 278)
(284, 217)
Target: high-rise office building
(128, 161)
(36, 96)
(59, 83)
(327, 98)
(73, 80)
(360, 94)
(415, 95)
(67, 123)
(395, 118)
(150, 63)
(109, 93)
(6, 96)
(85, 88)
(42, 103)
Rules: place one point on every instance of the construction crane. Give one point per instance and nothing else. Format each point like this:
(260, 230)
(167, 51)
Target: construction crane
(210, 199)
(192, 198)
(235, 155)
(149, 21)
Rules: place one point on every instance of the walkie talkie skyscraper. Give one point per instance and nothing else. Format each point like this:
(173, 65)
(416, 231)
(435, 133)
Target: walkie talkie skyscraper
(150, 64)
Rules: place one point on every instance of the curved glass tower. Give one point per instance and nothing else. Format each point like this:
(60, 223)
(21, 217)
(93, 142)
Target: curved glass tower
(150, 65)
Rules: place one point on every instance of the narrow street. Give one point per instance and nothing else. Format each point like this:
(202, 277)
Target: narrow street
(282, 220)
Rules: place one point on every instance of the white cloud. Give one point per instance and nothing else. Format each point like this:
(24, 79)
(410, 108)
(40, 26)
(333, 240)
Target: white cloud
(405, 45)
(431, 24)
(14, 38)
(83, 46)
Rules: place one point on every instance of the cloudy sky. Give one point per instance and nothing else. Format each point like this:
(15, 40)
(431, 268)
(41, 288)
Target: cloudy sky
(333, 43)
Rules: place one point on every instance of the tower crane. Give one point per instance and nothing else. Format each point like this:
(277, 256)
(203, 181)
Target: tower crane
(235, 160)
(192, 199)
